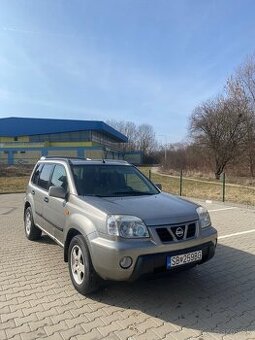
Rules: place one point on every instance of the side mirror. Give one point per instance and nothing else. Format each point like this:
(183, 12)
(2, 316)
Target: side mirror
(58, 192)
(159, 186)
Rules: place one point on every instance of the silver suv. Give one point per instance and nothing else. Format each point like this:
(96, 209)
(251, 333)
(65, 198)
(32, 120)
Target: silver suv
(113, 222)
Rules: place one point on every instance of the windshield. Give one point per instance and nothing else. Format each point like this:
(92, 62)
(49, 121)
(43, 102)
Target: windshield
(111, 180)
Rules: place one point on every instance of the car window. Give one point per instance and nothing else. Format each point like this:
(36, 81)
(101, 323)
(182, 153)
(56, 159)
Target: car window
(111, 180)
(36, 173)
(136, 183)
(45, 175)
(59, 177)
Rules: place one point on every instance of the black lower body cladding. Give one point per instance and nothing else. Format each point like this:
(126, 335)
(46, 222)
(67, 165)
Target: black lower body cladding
(150, 265)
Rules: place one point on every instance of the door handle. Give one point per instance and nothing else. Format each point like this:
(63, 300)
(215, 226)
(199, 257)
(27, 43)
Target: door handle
(46, 199)
(32, 192)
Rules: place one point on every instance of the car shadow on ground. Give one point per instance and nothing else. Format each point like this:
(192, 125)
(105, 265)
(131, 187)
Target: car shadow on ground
(45, 239)
(218, 296)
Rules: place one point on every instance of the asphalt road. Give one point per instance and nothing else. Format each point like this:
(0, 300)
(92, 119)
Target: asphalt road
(212, 301)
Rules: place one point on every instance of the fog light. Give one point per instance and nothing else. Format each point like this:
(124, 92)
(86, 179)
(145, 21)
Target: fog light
(126, 262)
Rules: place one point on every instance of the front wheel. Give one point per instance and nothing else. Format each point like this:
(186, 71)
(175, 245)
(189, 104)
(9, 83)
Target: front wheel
(82, 272)
(31, 230)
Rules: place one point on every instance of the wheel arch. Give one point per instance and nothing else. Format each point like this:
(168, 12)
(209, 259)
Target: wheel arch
(27, 205)
(70, 235)
(77, 225)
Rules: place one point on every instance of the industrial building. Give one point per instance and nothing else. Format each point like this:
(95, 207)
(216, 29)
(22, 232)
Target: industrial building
(25, 140)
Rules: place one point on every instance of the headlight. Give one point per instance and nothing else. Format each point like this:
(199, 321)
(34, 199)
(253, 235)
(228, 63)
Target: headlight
(126, 226)
(204, 217)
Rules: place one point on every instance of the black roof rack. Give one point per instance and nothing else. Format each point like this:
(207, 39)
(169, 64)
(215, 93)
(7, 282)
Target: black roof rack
(59, 157)
(70, 159)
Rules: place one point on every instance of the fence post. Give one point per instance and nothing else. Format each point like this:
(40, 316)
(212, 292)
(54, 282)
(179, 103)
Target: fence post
(223, 186)
(181, 183)
(150, 174)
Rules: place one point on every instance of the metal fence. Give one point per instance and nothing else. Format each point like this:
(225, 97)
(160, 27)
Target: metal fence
(223, 190)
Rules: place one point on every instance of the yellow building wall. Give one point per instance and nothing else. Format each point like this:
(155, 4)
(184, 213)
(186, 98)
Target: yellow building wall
(27, 157)
(6, 139)
(3, 158)
(22, 139)
(22, 145)
(27, 154)
(68, 144)
(94, 154)
(25, 139)
(62, 153)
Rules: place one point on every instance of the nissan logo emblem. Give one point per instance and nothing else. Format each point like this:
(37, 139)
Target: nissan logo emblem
(179, 232)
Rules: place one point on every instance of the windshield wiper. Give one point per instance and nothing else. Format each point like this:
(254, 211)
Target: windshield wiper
(132, 193)
(95, 195)
(121, 193)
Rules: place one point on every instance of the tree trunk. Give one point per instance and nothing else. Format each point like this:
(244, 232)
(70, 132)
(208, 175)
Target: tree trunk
(251, 163)
(252, 168)
(217, 175)
(219, 168)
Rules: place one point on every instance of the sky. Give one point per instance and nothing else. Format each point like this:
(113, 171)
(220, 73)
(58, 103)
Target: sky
(145, 61)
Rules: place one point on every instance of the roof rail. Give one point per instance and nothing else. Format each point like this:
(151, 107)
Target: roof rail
(59, 157)
(69, 159)
(108, 160)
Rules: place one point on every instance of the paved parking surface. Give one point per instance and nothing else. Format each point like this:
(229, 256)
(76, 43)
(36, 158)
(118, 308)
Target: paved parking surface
(213, 301)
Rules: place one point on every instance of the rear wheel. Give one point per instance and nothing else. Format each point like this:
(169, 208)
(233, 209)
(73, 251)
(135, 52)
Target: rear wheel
(31, 230)
(82, 272)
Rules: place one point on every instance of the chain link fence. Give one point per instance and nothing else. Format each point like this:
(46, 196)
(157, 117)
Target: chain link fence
(14, 179)
(222, 190)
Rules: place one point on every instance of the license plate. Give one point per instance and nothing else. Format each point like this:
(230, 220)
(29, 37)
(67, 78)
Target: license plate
(178, 260)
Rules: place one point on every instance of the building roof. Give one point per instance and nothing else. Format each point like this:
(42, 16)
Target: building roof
(15, 127)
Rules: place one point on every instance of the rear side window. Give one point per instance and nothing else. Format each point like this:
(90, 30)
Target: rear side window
(45, 175)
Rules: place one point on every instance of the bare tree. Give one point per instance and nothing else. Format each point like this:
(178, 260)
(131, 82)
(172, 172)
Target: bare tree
(146, 138)
(141, 137)
(128, 129)
(245, 76)
(218, 125)
(241, 88)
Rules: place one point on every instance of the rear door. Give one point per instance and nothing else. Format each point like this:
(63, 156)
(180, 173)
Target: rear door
(54, 213)
(41, 193)
(35, 192)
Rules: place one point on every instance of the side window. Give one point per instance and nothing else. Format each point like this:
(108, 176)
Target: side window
(59, 178)
(44, 177)
(36, 173)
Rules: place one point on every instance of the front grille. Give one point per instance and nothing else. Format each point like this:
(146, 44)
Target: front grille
(191, 230)
(176, 232)
(164, 235)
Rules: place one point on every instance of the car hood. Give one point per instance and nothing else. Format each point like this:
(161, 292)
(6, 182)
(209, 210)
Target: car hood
(153, 210)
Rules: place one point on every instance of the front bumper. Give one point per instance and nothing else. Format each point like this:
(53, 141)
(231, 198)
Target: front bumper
(156, 263)
(148, 256)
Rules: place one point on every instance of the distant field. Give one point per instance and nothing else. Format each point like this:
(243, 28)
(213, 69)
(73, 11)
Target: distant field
(13, 184)
(191, 187)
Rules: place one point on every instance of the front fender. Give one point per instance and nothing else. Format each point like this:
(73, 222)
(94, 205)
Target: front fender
(77, 224)
(80, 223)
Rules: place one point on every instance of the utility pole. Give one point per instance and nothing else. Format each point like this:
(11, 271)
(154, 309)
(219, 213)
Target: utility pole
(165, 147)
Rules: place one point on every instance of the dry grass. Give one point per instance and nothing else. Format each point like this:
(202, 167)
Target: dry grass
(204, 189)
(191, 187)
(13, 184)
(209, 176)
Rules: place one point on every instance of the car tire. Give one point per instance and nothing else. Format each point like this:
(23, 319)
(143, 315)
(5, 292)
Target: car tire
(82, 272)
(32, 232)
